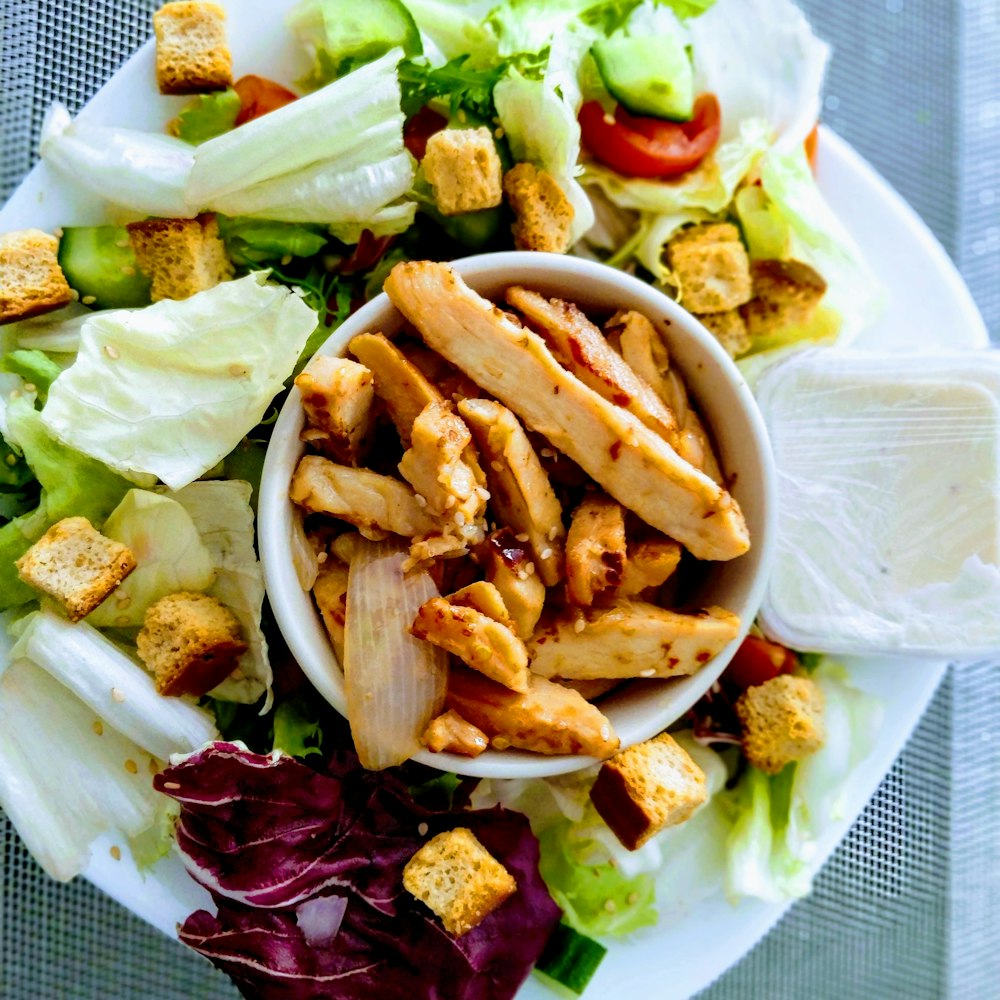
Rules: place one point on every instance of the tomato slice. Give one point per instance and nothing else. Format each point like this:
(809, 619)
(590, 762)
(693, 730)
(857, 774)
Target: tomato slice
(258, 96)
(638, 146)
(812, 146)
(420, 128)
(757, 661)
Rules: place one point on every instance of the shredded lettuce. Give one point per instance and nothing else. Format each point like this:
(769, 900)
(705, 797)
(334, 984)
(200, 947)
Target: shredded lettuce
(168, 391)
(208, 116)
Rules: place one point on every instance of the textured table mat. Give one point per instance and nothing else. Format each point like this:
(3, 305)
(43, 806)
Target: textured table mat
(906, 907)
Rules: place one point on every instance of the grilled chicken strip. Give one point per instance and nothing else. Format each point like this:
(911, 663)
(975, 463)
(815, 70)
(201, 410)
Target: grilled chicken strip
(337, 396)
(645, 353)
(583, 349)
(504, 560)
(330, 594)
(374, 504)
(633, 464)
(450, 733)
(521, 495)
(651, 562)
(547, 718)
(595, 549)
(629, 639)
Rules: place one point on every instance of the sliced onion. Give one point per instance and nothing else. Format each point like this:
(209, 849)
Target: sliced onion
(395, 684)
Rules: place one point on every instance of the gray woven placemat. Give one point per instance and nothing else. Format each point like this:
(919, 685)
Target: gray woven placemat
(905, 907)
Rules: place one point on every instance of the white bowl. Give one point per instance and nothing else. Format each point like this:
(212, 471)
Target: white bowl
(642, 708)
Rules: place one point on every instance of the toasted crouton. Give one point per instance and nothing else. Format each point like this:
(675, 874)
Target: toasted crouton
(31, 280)
(729, 330)
(782, 721)
(463, 169)
(458, 879)
(192, 56)
(451, 733)
(647, 788)
(75, 564)
(786, 293)
(180, 256)
(191, 642)
(542, 211)
(711, 266)
(337, 396)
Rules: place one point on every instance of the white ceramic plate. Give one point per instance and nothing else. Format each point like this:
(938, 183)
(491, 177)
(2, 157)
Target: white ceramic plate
(929, 306)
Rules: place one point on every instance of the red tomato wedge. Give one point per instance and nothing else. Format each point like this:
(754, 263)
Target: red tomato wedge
(757, 661)
(812, 146)
(638, 146)
(258, 96)
(420, 128)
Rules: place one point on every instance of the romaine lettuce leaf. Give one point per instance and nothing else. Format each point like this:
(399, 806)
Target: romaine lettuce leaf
(168, 391)
(207, 116)
(35, 367)
(251, 242)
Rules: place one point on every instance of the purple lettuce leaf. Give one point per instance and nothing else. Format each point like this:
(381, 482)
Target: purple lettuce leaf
(271, 838)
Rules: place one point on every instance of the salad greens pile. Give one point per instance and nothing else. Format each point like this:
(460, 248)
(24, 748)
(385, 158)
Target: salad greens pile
(151, 422)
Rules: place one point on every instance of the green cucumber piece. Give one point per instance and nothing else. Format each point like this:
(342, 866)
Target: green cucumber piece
(99, 263)
(648, 75)
(571, 958)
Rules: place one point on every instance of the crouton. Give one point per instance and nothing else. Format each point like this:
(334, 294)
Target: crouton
(75, 564)
(180, 256)
(337, 396)
(31, 280)
(728, 329)
(463, 169)
(647, 788)
(711, 267)
(190, 642)
(782, 721)
(477, 639)
(595, 549)
(192, 56)
(458, 879)
(541, 209)
(330, 595)
(452, 734)
(786, 293)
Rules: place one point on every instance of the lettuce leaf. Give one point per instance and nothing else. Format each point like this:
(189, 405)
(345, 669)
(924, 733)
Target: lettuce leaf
(341, 833)
(295, 732)
(208, 116)
(251, 242)
(168, 391)
(35, 367)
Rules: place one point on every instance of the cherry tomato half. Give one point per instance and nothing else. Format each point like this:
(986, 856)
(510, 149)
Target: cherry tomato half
(638, 146)
(757, 661)
(258, 96)
(812, 146)
(420, 128)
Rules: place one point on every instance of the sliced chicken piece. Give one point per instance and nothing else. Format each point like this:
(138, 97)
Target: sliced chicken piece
(521, 495)
(451, 733)
(337, 396)
(330, 594)
(484, 598)
(595, 549)
(476, 639)
(651, 562)
(634, 465)
(504, 560)
(584, 350)
(592, 690)
(435, 466)
(374, 504)
(645, 353)
(446, 378)
(629, 639)
(547, 718)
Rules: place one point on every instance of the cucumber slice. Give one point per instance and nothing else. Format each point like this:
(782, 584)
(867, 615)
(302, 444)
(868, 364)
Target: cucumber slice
(649, 75)
(98, 262)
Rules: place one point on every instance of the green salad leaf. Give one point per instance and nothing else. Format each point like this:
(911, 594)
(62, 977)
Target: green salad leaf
(208, 116)
(295, 731)
(252, 242)
(35, 367)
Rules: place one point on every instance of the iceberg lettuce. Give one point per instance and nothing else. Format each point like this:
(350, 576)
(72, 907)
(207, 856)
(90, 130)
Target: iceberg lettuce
(168, 391)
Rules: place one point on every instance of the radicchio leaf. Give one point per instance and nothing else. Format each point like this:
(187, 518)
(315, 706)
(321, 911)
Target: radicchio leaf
(267, 835)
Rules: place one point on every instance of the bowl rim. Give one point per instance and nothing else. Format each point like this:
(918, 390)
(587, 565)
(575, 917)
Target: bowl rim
(288, 600)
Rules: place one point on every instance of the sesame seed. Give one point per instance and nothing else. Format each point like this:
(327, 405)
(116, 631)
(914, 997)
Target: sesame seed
(128, 270)
(421, 499)
(116, 852)
(172, 786)
(121, 244)
(500, 742)
(460, 519)
(111, 352)
(286, 260)
(131, 766)
(530, 569)
(449, 503)
(422, 829)
(153, 765)
(30, 387)
(322, 558)
(609, 905)
(522, 537)
(124, 601)
(98, 727)
(496, 466)
(89, 300)
(579, 625)
(547, 453)
(74, 295)
(650, 672)
(58, 232)
(11, 459)
(499, 133)
(632, 898)
(553, 533)
(121, 620)
(237, 370)
(117, 694)
(546, 554)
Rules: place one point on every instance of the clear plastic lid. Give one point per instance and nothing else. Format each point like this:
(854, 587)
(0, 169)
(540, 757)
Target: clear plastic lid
(888, 503)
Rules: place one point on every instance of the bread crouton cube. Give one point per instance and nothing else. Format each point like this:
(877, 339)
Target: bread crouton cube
(75, 564)
(450, 733)
(647, 788)
(180, 256)
(543, 214)
(463, 169)
(337, 396)
(711, 266)
(191, 642)
(31, 280)
(192, 56)
(786, 293)
(729, 329)
(782, 721)
(458, 879)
